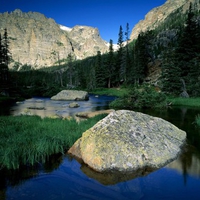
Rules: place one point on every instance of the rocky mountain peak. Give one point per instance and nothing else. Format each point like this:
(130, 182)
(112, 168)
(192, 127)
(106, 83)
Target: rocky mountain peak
(39, 41)
(154, 17)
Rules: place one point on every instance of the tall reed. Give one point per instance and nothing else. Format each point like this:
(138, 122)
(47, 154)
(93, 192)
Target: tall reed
(30, 139)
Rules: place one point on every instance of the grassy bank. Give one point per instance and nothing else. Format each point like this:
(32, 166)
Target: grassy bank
(31, 139)
(178, 101)
(119, 92)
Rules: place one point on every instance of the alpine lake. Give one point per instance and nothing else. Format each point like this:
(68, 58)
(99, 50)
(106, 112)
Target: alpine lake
(62, 177)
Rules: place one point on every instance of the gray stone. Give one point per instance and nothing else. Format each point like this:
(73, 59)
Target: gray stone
(126, 141)
(74, 105)
(71, 95)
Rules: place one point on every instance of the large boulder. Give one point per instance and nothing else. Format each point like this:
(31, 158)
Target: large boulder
(126, 141)
(71, 95)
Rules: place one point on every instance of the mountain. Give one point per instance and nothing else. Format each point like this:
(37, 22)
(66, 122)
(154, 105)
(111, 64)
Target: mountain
(39, 41)
(157, 15)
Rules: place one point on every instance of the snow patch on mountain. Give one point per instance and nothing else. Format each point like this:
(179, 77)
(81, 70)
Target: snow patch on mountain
(65, 28)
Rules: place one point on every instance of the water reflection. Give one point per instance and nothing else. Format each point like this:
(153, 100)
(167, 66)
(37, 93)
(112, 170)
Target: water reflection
(69, 181)
(46, 107)
(65, 178)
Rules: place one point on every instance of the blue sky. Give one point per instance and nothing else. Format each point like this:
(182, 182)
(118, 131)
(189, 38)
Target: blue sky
(106, 15)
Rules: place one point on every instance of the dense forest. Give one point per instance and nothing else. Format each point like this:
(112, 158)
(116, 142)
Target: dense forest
(175, 43)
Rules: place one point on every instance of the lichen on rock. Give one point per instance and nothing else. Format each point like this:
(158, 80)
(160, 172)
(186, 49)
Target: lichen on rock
(126, 141)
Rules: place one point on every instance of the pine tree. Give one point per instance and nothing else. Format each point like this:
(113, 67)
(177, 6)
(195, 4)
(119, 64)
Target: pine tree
(100, 71)
(6, 48)
(70, 70)
(110, 65)
(188, 51)
(186, 45)
(120, 65)
(4, 60)
(141, 59)
(171, 73)
(1, 50)
(127, 56)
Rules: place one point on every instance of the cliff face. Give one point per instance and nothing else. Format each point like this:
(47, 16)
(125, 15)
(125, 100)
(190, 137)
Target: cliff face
(158, 15)
(39, 41)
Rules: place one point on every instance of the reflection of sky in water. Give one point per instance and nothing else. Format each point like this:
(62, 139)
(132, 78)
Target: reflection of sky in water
(69, 182)
(60, 108)
(178, 180)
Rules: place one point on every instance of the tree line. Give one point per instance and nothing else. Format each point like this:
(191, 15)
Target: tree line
(181, 61)
(175, 42)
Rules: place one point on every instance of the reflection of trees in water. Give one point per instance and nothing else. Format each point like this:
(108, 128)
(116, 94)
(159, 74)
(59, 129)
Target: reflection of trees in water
(188, 163)
(3, 194)
(19, 176)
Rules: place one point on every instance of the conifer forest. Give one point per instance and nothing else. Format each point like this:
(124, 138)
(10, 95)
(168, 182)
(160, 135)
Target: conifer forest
(175, 43)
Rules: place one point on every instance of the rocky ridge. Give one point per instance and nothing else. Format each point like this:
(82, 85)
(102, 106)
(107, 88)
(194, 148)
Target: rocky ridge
(157, 15)
(39, 41)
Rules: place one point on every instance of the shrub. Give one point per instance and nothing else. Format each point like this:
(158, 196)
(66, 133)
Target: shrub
(143, 97)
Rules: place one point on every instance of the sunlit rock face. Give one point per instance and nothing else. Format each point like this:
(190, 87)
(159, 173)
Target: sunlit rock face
(125, 141)
(157, 15)
(40, 42)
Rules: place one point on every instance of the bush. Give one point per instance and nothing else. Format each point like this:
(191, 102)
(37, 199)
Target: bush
(143, 97)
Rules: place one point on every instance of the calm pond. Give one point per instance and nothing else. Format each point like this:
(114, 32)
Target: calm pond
(62, 177)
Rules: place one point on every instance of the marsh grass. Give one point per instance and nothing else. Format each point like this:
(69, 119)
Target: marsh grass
(30, 139)
(194, 102)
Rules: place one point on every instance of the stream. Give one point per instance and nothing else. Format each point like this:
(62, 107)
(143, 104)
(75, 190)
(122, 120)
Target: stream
(62, 177)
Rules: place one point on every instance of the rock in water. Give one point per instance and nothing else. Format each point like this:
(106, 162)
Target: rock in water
(126, 141)
(74, 105)
(71, 95)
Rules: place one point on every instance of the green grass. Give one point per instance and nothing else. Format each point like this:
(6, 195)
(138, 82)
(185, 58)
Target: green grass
(119, 92)
(30, 139)
(197, 120)
(194, 102)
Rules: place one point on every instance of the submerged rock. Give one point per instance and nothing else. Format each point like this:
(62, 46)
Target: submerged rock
(74, 105)
(127, 141)
(71, 95)
(93, 113)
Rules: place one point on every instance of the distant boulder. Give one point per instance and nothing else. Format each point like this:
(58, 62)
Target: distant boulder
(74, 105)
(71, 95)
(126, 141)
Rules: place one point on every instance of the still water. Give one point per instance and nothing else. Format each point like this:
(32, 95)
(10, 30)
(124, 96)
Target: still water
(46, 107)
(62, 177)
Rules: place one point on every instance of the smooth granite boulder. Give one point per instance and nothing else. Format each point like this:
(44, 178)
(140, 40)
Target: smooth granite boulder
(71, 95)
(126, 141)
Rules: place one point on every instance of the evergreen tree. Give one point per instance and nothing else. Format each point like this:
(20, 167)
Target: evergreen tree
(6, 48)
(188, 52)
(171, 73)
(120, 65)
(185, 51)
(1, 50)
(70, 70)
(4, 60)
(100, 71)
(110, 65)
(141, 59)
